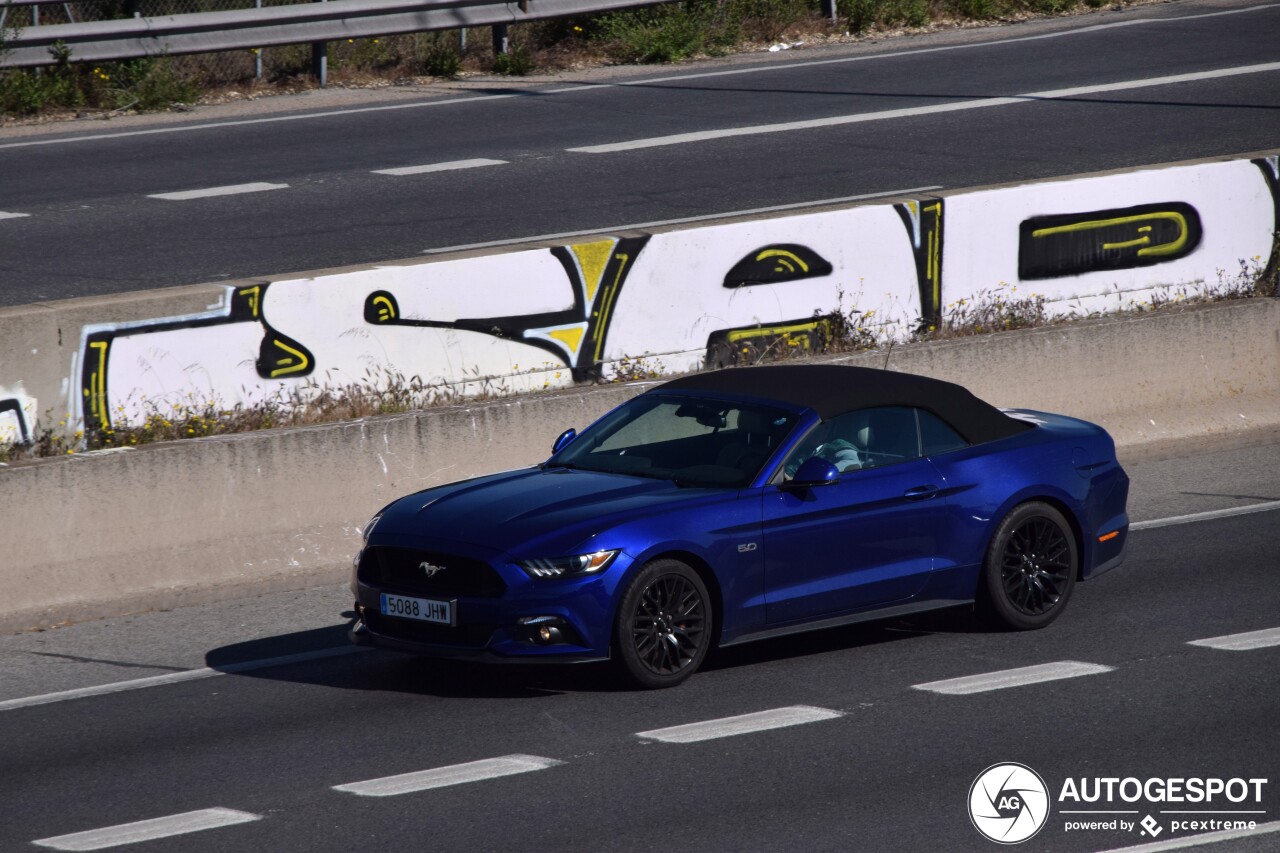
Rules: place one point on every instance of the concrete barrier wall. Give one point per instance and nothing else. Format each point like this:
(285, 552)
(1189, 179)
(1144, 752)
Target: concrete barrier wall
(525, 319)
(120, 531)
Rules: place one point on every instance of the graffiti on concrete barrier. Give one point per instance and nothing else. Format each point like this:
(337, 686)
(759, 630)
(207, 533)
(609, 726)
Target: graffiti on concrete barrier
(17, 415)
(420, 324)
(715, 294)
(1270, 167)
(1075, 243)
(751, 344)
(923, 220)
(573, 335)
(730, 293)
(777, 264)
(277, 354)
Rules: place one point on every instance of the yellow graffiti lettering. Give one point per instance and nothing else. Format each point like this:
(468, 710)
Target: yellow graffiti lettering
(1170, 248)
(593, 258)
(571, 337)
(254, 294)
(97, 390)
(933, 264)
(770, 331)
(602, 316)
(386, 309)
(288, 365)
(787, 261)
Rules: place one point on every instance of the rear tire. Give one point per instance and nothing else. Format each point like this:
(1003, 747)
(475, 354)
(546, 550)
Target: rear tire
(1030, 568)
(663, 628)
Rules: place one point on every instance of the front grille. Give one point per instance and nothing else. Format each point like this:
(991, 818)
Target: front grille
(407, 570)
(469, 636)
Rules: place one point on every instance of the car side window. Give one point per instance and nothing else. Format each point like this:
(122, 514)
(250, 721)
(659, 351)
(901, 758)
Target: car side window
(887, 436)
(867, 438)
(936, 436)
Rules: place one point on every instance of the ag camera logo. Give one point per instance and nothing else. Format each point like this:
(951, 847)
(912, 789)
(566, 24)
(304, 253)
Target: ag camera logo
(1008, 803)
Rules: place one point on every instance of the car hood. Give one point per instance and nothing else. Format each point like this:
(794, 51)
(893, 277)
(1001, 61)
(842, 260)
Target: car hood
(535, 512)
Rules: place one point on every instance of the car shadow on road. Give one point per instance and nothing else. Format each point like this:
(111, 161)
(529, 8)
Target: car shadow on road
(324, 657)
(954, 620)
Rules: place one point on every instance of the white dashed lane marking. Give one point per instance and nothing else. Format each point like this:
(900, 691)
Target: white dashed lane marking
(443, 777)
(1242, 642)
(998, 43)
(439, 167)
(209, 192)
(6, 215)
(148, 830)
(1198, 840)
(1013, 677)
(188, 675)
(742, 724)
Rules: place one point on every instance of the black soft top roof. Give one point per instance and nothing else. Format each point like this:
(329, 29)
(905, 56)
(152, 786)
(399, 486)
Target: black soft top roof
(833, 389)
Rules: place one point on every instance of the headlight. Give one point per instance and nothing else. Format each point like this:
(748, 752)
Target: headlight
(556, 567)
(368, 528)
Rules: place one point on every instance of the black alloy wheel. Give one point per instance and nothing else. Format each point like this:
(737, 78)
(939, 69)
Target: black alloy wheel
(1031, 567)
(663, 627)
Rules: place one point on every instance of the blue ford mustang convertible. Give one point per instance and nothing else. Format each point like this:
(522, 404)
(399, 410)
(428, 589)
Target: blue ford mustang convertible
(741, 504)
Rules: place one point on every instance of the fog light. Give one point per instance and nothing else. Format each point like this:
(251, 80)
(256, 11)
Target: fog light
(544, 630)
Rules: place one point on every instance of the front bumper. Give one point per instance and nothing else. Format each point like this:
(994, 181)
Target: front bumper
(487, 616)
(361, 635)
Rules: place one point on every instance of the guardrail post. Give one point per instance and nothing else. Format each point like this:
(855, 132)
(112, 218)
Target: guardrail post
(320, 61)
(501, 43)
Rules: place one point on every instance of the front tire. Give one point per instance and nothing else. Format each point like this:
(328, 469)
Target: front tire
(1030, 568)
(663, 628)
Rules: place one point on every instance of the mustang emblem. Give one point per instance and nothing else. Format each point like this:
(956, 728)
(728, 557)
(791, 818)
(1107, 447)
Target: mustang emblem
(429, 569)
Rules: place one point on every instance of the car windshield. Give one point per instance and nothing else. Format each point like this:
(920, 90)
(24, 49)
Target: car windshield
(690, 440)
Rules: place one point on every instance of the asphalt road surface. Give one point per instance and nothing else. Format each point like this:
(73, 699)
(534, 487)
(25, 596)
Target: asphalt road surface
(878, 756)
(98, 208)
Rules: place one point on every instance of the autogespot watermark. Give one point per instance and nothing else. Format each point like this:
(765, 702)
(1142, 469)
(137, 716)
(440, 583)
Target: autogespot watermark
(1010, 802)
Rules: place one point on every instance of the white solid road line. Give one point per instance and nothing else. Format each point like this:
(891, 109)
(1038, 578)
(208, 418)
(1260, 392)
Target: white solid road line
(742, 724)
(1204, 516)
(1013, 677)
(443, 777)
(1242, 642)
(909, 112)
(1197, 840)
(7, 215)
(234, 189)
(148, 830)
(175, 677)
(565, 235)
(648, 81)
(439, 167)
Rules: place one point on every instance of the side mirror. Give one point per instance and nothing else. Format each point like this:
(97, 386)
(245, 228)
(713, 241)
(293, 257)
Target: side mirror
(815, 471)
(564, 440)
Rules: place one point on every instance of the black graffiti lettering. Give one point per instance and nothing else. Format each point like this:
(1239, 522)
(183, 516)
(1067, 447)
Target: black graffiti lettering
(1077, 243)
(777, 264)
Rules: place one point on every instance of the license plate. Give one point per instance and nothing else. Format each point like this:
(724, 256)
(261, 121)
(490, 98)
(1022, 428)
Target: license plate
(421, 609)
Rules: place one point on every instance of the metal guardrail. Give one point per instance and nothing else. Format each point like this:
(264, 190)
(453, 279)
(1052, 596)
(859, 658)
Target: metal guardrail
(242, 29)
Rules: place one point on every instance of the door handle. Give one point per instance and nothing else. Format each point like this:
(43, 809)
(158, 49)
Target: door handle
(920, 493)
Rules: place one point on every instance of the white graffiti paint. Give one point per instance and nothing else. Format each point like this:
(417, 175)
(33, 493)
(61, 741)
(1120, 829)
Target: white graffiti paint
(17, 415)
(537, 318)
(162, 371)
(1232, 199)
(675, 297)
